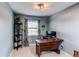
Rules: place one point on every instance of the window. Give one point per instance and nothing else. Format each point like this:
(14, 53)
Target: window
(32, 27)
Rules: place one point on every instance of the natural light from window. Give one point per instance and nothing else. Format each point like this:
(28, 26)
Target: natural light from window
(32, 27)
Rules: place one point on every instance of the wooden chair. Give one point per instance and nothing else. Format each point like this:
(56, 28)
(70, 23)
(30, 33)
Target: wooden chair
(76, 53)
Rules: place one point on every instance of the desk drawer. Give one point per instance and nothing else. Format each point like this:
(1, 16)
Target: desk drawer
(45, 48)
(44, 44)
(49, 43)
(53, 43)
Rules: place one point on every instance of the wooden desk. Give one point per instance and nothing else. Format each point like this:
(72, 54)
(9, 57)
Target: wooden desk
(47, 45)
(76, 53)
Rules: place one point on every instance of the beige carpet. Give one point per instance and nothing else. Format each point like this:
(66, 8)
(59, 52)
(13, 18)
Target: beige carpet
(30, 52)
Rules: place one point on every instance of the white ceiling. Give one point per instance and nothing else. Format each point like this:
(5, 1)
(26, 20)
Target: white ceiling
(28, 9)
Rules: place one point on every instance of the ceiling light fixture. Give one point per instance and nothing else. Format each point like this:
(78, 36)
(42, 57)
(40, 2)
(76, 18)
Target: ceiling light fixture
(40, 6)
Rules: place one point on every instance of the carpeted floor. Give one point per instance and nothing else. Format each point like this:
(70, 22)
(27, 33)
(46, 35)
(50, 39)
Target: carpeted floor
(29, 51)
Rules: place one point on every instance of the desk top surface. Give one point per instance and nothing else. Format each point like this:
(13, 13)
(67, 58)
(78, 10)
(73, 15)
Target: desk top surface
(47, 40)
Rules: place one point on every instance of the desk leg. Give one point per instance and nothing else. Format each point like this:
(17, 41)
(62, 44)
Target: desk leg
(38, 52)
(57, 51)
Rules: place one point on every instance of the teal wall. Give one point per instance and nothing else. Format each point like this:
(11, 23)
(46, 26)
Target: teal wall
(6, 30)
(66, 24)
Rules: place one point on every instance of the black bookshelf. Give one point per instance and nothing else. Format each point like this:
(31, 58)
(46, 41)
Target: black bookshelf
(17, 33)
